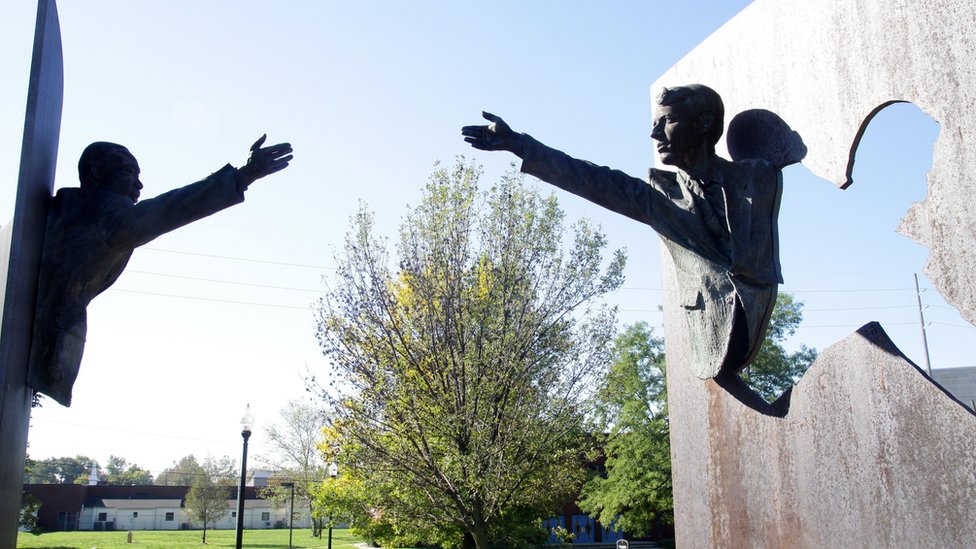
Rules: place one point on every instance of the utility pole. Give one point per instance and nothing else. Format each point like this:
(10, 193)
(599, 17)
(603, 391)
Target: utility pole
(921, 318)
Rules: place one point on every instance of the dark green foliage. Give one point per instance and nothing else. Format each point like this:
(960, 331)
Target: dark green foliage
(121, 472)
(29, 506)
(776, 370)
(632, 412)
(632, 404)
(62, 470)
(182, 472)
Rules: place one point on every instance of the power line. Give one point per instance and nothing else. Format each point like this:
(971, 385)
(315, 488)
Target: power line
(802, 326)
(244, 259)
(213, 300)
(232, 282)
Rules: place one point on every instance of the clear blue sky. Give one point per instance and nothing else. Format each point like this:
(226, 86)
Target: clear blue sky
(371, 94)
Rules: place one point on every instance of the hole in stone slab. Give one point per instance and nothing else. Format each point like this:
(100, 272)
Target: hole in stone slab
(845, 264)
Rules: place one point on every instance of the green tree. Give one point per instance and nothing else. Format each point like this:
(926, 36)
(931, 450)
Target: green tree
(61, 470)
(29, 507)
(775, 370)
(119, 471)
(209, 496)
(459, 377)
(295, 454)
(182, 473)
(632, 412)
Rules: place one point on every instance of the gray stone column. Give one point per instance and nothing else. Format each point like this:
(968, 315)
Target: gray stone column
(23, 239)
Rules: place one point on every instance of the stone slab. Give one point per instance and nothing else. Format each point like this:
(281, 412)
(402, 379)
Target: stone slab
(827, 67)
(22, 262)
(871, 453)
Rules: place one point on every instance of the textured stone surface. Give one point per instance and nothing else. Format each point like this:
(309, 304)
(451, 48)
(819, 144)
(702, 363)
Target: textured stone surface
(870, 453)
(827, 67)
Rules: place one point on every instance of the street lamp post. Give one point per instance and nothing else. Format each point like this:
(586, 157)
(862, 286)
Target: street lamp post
(333, 473)
(291, 509)
(246, 422)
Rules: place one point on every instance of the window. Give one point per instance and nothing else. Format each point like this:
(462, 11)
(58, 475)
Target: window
(266, 516)
(233, 514)
(170, 517)
(135, 514)
(102, 517)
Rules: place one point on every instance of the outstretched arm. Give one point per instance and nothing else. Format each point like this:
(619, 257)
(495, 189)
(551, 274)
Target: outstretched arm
(264, 161)
(497, 136)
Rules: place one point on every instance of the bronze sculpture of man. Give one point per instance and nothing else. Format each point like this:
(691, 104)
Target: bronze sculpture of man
(93, 230)
(717, 218)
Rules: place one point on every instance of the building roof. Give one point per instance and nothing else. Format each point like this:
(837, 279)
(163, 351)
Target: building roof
(140, 503)
(960, 382)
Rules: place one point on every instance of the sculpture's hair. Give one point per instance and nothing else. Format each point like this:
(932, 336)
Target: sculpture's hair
(96, 154)
(698, 98)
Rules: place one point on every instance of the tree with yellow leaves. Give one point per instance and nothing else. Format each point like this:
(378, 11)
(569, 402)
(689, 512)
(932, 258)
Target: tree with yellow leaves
(460, 374)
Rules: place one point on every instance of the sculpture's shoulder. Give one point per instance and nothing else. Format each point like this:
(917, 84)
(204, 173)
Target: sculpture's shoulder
(666, 182)
(77, 211)
(754, 168)
(751, 177)
(89, 202)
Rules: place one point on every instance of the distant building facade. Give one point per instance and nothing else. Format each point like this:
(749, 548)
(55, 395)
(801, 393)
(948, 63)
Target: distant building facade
(69, 507)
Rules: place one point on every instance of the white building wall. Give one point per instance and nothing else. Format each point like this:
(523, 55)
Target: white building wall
(139, 516)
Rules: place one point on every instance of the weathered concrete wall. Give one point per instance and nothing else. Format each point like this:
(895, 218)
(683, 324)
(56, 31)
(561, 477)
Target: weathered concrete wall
(871, 453)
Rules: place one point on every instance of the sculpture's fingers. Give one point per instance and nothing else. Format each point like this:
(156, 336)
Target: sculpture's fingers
(491, 117)
(280, 148)
(473, 131)
(257, 144)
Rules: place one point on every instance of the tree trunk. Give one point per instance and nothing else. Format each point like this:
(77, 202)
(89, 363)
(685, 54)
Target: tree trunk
(204, 533)
(479, 529)
(480, 533)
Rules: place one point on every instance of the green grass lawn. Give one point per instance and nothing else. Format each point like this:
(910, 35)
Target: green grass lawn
(256, 539)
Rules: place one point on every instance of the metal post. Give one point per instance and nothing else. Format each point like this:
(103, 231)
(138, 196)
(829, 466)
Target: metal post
(21, 242)
(246, 422)
(333, 473)
(291, 510)
(246, 434)
(921, 318)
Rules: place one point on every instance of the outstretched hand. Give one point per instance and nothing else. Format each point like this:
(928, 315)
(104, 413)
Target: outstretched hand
(264, 161)
(497, 136)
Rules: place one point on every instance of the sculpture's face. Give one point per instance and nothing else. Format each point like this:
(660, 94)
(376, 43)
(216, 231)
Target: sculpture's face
(680, 140)
(122, 176)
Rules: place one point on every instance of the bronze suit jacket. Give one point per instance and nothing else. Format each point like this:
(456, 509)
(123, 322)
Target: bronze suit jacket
(89, 238)
(720, 227)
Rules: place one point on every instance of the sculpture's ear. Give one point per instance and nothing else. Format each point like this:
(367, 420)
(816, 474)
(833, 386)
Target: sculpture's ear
(96, 172)
(705, 121)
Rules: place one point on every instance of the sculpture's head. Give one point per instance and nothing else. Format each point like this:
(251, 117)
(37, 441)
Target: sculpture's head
(688, 122)
(109, 167)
